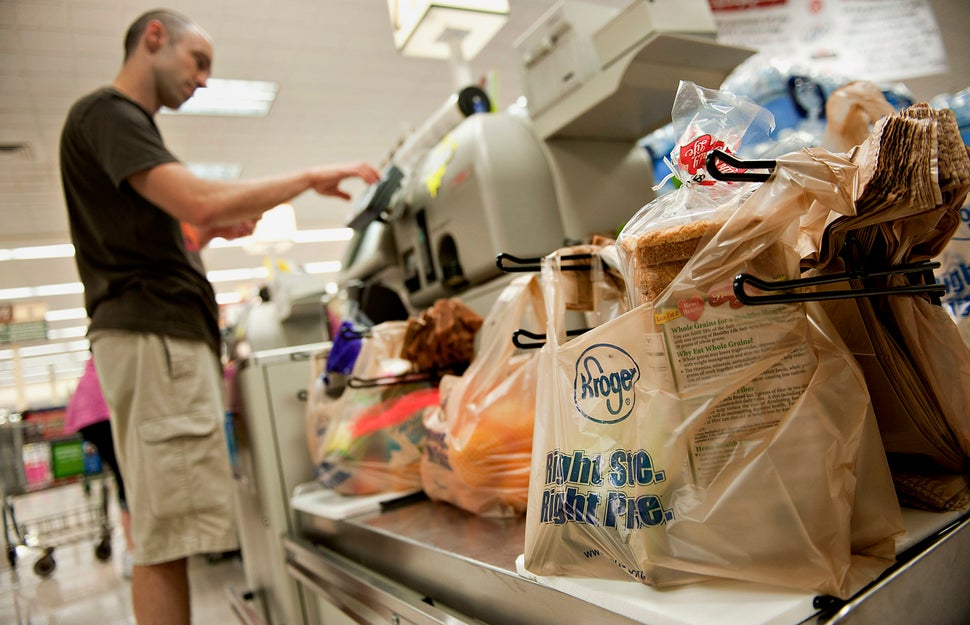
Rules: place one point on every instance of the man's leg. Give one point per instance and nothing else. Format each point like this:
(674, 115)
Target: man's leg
(160, 593)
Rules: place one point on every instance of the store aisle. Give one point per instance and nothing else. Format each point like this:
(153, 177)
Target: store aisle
(85, 591)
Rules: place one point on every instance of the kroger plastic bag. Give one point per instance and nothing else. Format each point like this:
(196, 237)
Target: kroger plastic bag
(699, 436)
(479, 446)
(373, 437)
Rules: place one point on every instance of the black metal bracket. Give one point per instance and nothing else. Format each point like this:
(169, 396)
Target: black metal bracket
(714, 157)
(540, 339)
(513, 264)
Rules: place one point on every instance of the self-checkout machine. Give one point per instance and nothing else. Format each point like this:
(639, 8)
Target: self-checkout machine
(529, 180)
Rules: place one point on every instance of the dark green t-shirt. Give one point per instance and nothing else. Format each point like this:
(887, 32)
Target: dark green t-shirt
(130, 253)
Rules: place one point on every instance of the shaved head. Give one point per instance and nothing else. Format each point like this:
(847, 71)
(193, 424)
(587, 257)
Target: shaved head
(173, 22)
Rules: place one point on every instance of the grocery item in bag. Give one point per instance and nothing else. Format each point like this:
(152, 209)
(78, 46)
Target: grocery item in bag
(696, 436)
(373, 438)
(479, 445)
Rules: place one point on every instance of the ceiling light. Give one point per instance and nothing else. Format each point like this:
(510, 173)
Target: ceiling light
(65, 314)
(67, 333)
(64, 250)
(235, 275)
(228, 298)
(221, 96)
(329, 266)
(322, 235)
(429, 28)
(274, 231)
(47, 349)
(215, 171)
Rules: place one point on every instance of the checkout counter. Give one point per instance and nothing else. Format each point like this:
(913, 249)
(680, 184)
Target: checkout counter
(524, 185)
(423, 562)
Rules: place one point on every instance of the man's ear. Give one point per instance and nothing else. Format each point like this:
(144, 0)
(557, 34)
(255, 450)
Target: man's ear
(155, 35)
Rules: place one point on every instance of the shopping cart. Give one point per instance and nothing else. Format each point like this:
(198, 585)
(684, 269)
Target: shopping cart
(23, 448)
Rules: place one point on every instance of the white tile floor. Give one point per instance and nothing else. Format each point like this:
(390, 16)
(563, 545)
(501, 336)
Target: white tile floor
(83, 590)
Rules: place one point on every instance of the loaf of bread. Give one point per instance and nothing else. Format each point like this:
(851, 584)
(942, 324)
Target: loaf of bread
(660, 255)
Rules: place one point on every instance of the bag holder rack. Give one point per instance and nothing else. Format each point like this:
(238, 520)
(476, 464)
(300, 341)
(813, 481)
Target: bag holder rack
(507, 263)
(393, 380)
(513, 264)
(850, 254)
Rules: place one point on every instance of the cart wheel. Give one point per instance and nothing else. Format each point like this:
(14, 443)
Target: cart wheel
(103, 550)
(12, 556)
(44, 567)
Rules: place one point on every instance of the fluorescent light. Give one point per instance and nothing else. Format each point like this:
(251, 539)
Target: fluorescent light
(230, 97)
(215, 171)
(323, 236)
(228, 298)
(67, 333)
(65, 314)
(328, 266)
(235, 275)
(65, 250)
(19, 293)
(274, 231)
(48, 349)
(68, 288)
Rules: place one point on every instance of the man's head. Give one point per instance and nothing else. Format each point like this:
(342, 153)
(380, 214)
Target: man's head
(175, 51)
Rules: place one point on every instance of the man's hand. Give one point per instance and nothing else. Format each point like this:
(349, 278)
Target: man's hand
(326, 179)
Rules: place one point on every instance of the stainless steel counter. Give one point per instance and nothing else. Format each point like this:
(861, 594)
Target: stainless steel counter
(418, 561)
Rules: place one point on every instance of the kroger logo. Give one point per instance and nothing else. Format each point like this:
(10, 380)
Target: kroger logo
(603, 387)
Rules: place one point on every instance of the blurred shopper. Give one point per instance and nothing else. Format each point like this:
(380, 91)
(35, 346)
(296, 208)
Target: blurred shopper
(88, 414)
(154, 319)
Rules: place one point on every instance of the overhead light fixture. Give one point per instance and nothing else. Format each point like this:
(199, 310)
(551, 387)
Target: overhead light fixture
(215, 171)
(321, 235)
(37, 252)
(65, 314)
(48, 349)
(237, 275)
(274, 231)
(446, 29)
(225, 299)
(327, 266)
(47, 290)
(221, 96)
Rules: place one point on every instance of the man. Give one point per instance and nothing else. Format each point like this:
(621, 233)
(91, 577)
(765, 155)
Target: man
(154, 321)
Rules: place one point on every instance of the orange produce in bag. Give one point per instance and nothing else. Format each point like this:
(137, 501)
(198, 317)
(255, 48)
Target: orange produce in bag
(478, 451)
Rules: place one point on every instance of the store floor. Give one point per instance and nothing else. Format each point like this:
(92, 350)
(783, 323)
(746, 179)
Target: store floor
(83, 590)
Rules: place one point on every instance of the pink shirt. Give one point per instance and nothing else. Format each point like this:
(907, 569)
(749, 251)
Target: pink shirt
(87, 405)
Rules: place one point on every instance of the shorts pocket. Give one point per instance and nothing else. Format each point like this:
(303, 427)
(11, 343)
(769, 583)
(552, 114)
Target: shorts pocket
(184, 465)
(183, 356)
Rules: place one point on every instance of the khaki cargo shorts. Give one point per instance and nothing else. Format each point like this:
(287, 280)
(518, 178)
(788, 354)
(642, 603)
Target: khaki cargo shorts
(167, 418)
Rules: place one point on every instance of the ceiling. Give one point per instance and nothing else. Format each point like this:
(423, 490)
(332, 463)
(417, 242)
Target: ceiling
(345, 93)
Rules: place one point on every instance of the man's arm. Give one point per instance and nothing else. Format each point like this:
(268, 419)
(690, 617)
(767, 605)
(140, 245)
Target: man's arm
(213, 203)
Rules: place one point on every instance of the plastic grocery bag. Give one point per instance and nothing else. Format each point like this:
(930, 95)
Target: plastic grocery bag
(479, 445)
(696, 436)
(373, 437)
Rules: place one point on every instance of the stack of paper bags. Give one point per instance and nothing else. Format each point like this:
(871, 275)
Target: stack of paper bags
(914, 175)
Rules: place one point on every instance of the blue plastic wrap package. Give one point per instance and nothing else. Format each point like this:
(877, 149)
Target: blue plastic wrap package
(954, 269)
(794, 94)
(343, 354)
